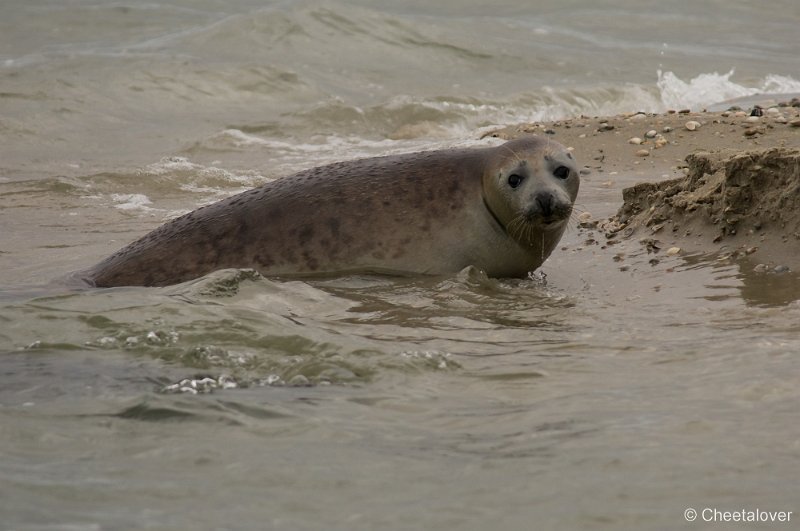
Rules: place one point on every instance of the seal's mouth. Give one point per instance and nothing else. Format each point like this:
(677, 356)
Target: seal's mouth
(550, 220)
(547, 211)
(553, 223)
(531, 226)
(531, 232)
(528, 227)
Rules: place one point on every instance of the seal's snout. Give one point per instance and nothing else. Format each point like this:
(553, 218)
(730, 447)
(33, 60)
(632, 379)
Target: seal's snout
(547, 209)
(545, 202)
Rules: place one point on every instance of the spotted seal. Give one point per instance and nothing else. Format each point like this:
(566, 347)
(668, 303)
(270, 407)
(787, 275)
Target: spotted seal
(501, 209)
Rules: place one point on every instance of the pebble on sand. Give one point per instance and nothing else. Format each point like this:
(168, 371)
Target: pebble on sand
(643, 153)
(764, 268)
(585, 221)
(635, 140)
(692, 125)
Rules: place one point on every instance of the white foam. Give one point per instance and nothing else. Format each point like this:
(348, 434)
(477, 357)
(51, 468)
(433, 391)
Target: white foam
(132, 202)
(169, 164)
(669, 92)
(184, 170)
(699, 91)
(239, 139)
(323, 144)
(707, 89)
(776, 84)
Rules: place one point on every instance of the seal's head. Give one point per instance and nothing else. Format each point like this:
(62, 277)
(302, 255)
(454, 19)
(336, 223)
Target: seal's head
(529, 186)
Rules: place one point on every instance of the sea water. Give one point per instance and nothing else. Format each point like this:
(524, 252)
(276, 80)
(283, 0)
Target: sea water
(577, 399)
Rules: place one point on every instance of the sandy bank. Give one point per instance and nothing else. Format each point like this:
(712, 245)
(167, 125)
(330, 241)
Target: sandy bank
(724, 182)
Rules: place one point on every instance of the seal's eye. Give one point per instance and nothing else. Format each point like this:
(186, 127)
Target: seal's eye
(562, 172)
(514, 180)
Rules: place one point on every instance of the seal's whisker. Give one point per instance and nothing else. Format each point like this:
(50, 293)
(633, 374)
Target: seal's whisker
(518, 230)
(572, 222)
(579, 208)
(521, 230)
(516, 227)
(510, 227)
(542, 247)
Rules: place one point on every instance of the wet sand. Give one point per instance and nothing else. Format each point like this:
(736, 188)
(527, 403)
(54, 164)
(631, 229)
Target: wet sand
(722, 182)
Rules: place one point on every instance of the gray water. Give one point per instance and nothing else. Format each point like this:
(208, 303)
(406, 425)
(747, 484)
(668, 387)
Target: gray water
(584, 397)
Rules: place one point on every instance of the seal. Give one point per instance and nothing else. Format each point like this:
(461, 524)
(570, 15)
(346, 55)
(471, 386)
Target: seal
(501, 209)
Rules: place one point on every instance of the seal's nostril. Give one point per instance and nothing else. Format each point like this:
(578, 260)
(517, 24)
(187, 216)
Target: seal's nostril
(545, 202)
